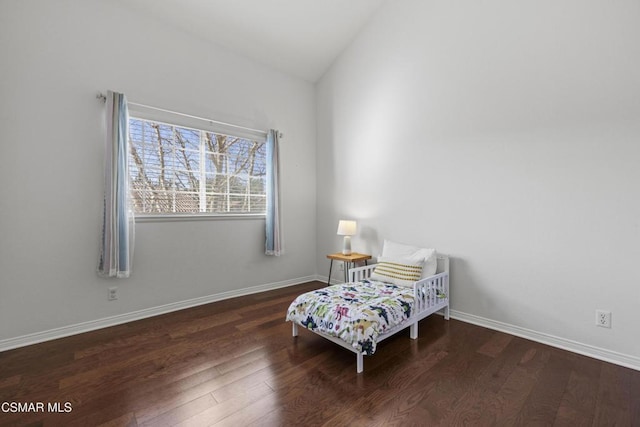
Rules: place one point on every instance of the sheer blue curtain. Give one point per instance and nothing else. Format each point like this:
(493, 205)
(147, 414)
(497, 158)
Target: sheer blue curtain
(118, 221)
(274, 235)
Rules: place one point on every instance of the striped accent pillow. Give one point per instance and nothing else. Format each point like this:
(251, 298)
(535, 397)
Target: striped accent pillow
(399, 271)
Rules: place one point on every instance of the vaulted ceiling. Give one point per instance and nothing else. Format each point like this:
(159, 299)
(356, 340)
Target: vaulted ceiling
(299, 37)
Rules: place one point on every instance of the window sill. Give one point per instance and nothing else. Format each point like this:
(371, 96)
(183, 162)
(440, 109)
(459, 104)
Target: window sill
(197, 217)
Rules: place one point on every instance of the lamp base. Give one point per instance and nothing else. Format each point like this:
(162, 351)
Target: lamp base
(346, 246)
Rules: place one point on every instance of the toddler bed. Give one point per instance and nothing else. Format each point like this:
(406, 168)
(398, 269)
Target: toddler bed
(373, 305)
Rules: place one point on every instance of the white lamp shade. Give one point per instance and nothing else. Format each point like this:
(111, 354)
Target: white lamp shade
(346, 228)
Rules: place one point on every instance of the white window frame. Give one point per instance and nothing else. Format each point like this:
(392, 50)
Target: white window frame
(143, 112)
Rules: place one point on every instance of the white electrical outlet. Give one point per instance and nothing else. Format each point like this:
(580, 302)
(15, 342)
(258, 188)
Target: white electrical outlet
(603, 318)
(113, 293)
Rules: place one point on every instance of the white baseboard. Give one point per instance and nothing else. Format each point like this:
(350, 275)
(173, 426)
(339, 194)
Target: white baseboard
(65, 331)
(563, 343)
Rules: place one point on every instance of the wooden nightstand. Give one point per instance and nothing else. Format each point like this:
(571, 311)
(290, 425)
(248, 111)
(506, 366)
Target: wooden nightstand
(348, 260)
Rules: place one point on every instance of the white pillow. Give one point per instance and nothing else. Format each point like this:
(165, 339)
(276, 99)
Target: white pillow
(399, 271)
(414, 254)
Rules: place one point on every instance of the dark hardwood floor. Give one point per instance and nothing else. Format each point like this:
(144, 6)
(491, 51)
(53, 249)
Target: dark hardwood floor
(235, 363)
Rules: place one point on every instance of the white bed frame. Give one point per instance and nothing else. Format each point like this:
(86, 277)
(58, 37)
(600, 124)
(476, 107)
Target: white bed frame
(423, 290)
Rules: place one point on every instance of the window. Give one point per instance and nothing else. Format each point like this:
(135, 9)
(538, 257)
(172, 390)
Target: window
(176, 169)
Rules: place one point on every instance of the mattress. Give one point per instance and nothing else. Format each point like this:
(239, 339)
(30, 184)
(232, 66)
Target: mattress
(356, 313)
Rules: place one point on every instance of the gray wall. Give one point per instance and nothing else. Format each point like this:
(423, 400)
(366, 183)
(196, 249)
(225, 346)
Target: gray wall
(56, 55)
(505, 134)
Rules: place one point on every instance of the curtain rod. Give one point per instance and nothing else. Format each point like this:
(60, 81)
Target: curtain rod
(103, 97)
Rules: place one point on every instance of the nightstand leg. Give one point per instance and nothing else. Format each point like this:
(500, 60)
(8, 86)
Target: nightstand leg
(330, 267)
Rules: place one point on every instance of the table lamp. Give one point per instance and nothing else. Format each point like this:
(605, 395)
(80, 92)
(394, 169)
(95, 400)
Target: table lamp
(346, 229)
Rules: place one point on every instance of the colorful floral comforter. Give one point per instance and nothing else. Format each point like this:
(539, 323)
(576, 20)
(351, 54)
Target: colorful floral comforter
(354, 312)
